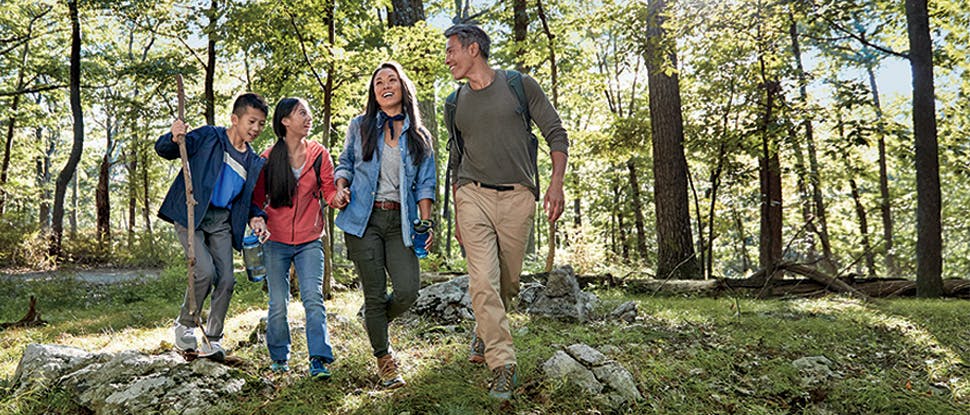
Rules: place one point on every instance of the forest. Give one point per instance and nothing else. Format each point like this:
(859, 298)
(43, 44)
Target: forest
(737, 140)
(736, 134)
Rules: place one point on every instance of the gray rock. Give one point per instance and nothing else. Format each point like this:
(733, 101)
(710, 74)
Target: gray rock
(626, 312)
(586, 355)
(561, 282)
(132, 382)
(611, 384)
(447, 301)
(560, 298)
(814, 369)
(42, 363)
(619, 380)
(560, 365)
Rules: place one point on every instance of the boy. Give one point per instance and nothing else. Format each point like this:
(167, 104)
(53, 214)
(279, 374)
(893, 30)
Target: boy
(224, 172)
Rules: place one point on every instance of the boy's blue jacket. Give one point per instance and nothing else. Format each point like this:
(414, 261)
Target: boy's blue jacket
(417, 182)
(206, 147)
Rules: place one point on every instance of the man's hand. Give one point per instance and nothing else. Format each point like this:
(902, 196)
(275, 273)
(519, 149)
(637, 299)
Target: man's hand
(554, 201)
(258, 225)
(179, 129)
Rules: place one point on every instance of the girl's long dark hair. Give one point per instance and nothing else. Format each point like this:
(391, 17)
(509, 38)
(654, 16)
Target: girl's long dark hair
(419, 139)
(280, 183)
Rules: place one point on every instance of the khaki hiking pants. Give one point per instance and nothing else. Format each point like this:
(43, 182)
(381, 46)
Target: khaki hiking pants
(494, 229)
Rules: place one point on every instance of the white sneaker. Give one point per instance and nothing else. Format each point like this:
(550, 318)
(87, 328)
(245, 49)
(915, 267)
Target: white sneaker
(212, 351)
(185, 337)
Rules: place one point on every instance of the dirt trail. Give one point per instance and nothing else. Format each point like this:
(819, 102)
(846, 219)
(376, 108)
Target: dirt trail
(95, 276)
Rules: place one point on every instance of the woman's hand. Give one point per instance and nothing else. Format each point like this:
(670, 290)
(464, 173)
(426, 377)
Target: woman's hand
(342, 198)
(258, 225)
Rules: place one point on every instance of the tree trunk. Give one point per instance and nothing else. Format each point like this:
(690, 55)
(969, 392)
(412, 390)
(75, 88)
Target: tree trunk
(520, 32)
(405, 12)
(8, 144)
(131, 165)
(146, 198)
(44, 179)
(210, 66)
(929, 241)
(72, 218)
(553, 68)
(102, 195)
(742, 242)
(820, 224)
(884, 197)
(69, 169)
(769, 172)
(675, 243)
(637, 209)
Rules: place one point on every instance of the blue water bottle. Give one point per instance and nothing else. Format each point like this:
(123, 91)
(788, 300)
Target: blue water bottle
(253, 258)
(420, 237)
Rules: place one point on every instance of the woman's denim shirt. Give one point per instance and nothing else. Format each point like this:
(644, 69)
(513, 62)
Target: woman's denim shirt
(417, 182)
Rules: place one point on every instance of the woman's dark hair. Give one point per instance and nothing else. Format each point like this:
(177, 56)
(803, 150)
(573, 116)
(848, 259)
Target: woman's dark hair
(280, 183)
(419, 140)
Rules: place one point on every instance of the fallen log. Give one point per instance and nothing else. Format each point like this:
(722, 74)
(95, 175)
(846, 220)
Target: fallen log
(31, 319)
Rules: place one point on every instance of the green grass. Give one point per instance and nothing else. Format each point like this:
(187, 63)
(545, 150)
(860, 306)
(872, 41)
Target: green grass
(687, 355)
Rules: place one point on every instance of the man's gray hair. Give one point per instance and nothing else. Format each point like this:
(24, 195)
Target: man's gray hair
(468, 34)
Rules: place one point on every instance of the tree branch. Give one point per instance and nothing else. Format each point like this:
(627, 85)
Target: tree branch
(30, 90)
(306, 56)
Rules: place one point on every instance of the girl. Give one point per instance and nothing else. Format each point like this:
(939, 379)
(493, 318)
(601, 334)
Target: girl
(288, 187)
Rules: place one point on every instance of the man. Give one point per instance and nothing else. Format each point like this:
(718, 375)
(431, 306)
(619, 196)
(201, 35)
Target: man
(495, 192)
(224, 172)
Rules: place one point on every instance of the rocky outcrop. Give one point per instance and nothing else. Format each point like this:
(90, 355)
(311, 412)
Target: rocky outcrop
(559, 297)
(594, 373)
(131, 381)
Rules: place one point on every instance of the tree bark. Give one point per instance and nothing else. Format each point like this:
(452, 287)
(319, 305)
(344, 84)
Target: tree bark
(210, 66)
(884, 205)
(769, 173)
(675, 242)
(131, 165)
(102, 196)
(637, 209)
(405, 12)
(553, 68)
(520, 32)
(929, 241)
(742, 244)
(75, 97)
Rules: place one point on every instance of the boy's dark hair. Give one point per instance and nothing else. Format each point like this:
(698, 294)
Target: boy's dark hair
(250, 100)
(468, 34)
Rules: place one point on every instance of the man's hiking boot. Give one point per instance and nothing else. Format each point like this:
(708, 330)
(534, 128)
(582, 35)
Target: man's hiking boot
(318, 369)
(504, 379)
(213, 351)
(185, 338)
(387, 370)
(476, 352)
(279, 366)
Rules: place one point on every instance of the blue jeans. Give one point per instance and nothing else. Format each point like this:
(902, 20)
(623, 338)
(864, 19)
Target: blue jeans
(308, 260)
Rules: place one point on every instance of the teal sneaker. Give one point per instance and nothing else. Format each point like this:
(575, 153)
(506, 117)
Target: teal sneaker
(279, 366)
(504, 379)
(318, 369)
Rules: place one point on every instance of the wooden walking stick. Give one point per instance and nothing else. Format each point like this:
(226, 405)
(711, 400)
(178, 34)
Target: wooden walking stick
(190, 207)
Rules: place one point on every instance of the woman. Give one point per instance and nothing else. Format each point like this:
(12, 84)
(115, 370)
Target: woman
(288, 187)
(388, 165)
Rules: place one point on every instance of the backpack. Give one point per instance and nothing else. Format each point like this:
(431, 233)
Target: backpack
(456, 145)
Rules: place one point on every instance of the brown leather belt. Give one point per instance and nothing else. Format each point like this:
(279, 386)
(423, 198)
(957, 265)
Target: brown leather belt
(386, 205)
